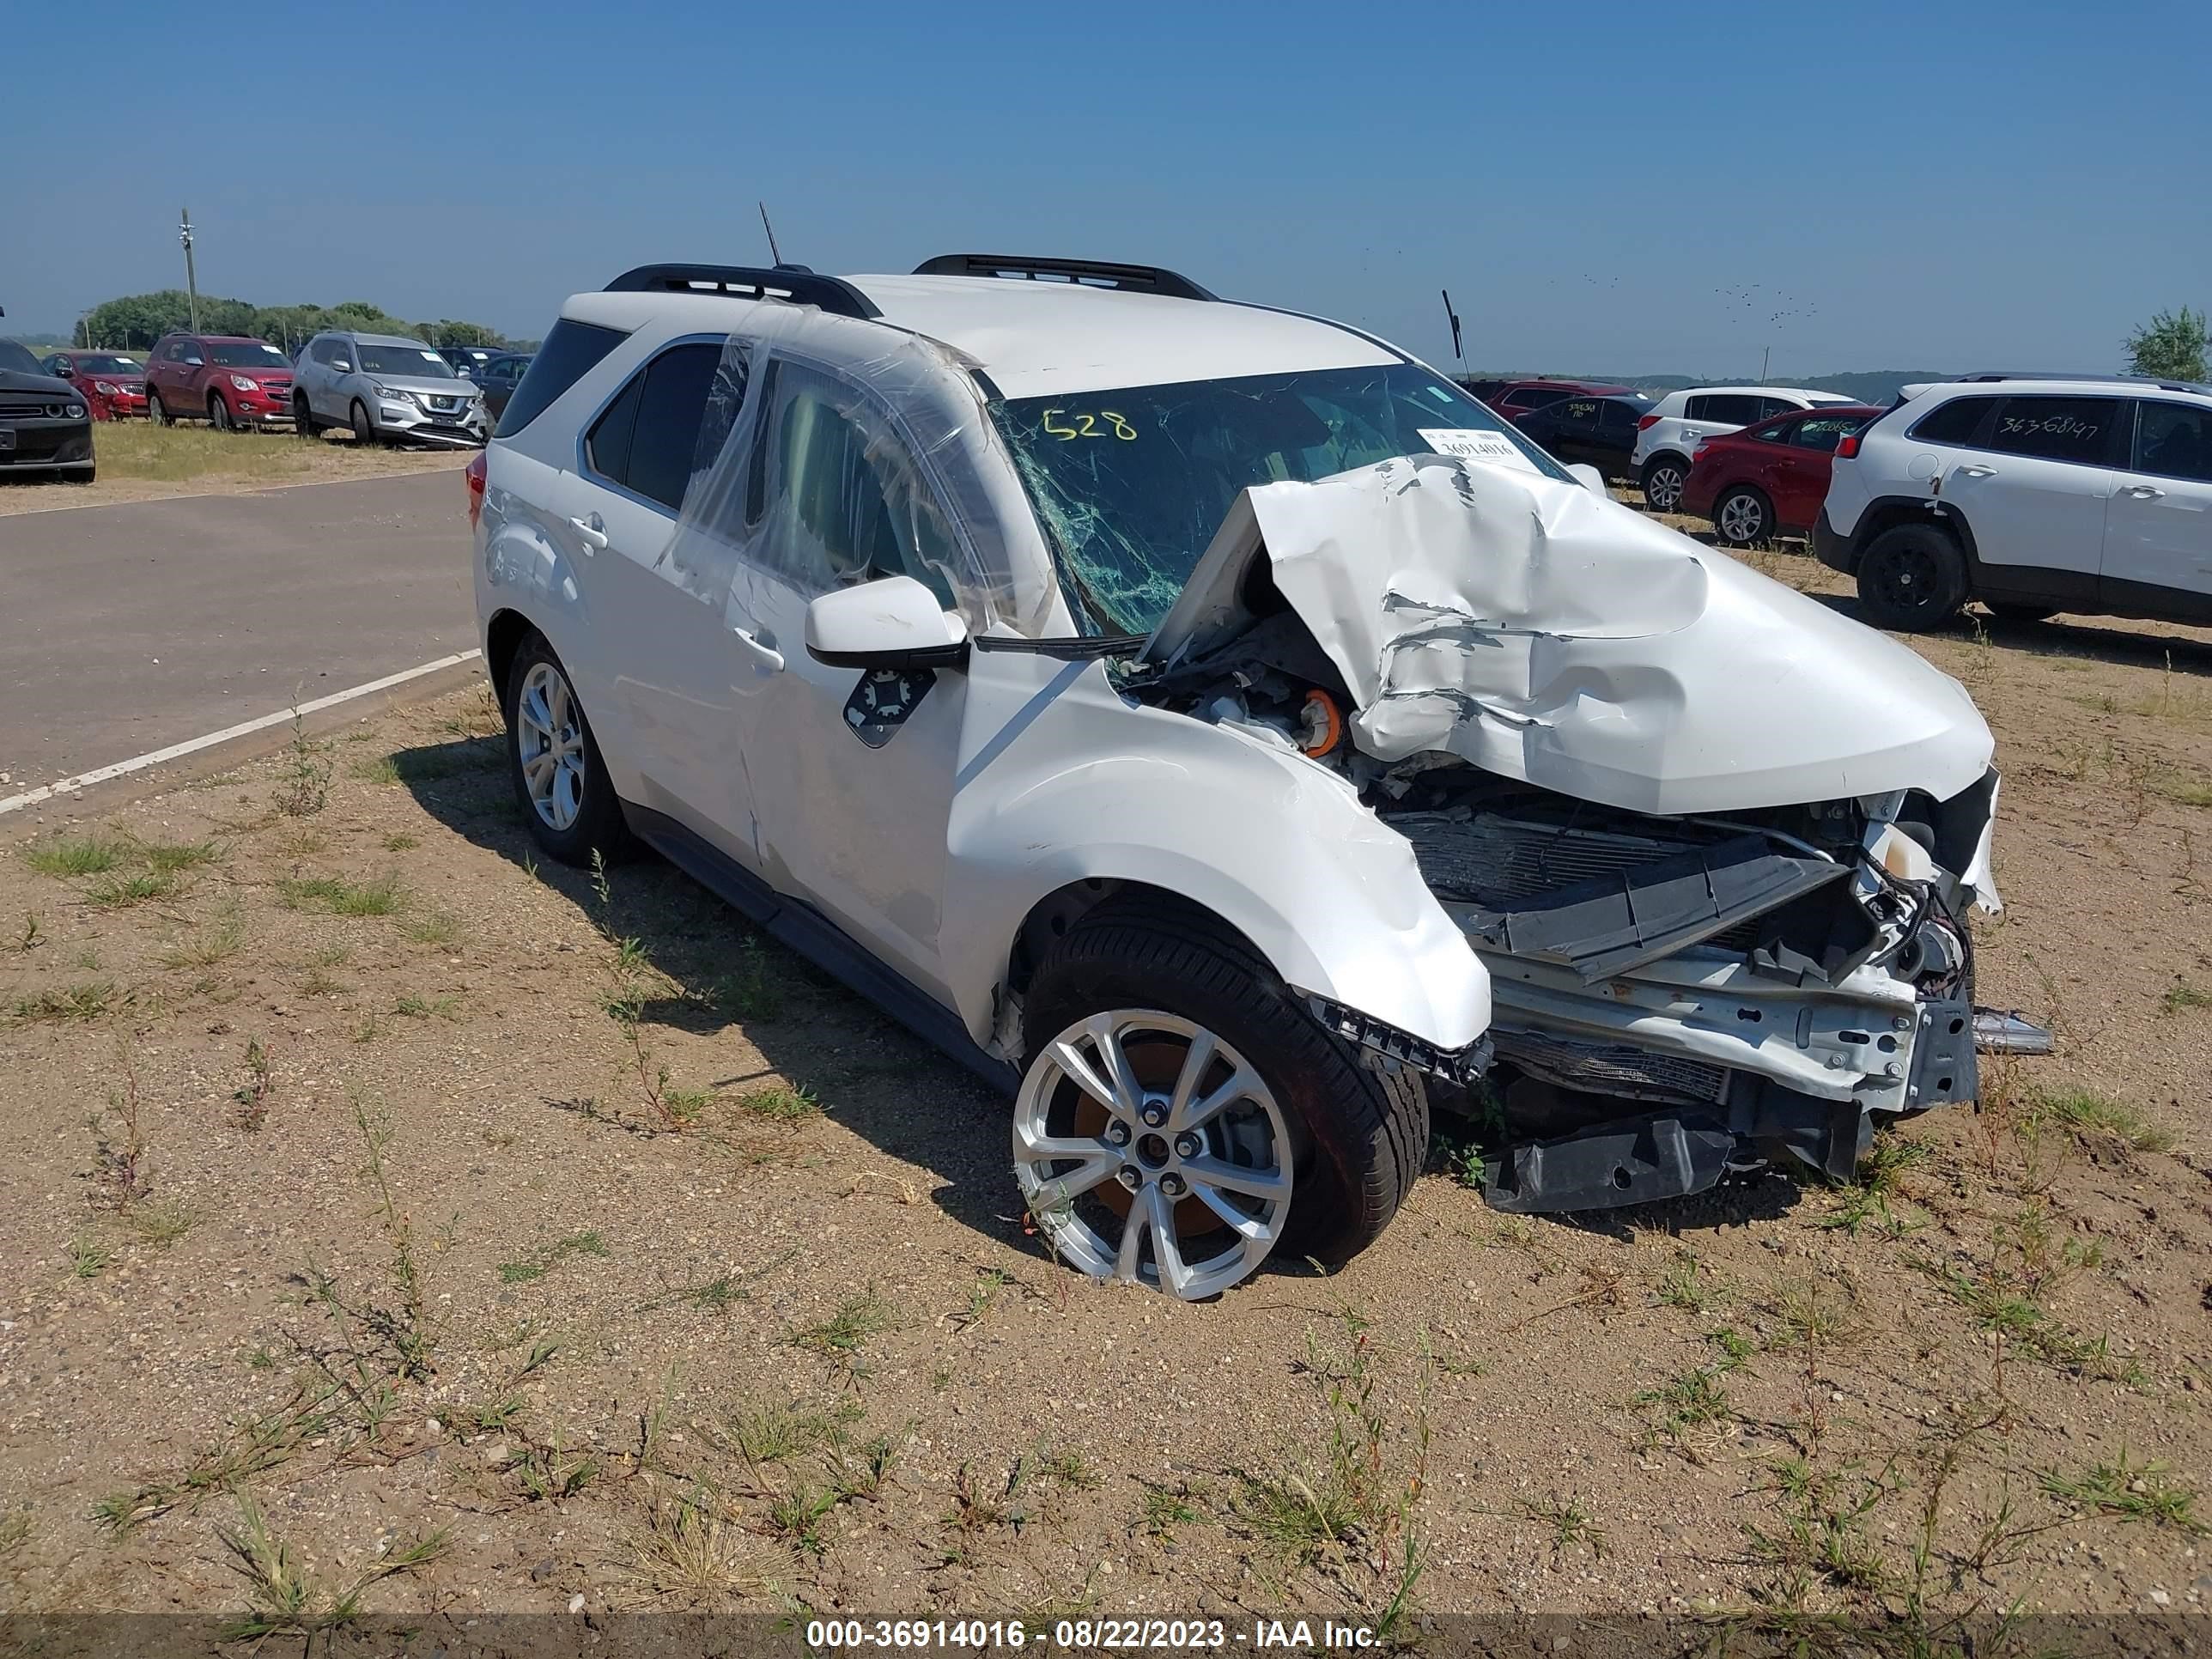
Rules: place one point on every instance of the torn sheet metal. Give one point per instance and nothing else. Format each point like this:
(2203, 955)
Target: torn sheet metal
(1533, 631)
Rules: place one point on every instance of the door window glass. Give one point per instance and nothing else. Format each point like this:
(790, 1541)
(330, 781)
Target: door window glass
(2056, 429)
(2174, 440)
(1729, 408)
(645, 439)
(571, 351)
(839, 500)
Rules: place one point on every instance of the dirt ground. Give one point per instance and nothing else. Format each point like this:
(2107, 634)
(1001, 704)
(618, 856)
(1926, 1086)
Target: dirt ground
(139, 461)
(393, 1223)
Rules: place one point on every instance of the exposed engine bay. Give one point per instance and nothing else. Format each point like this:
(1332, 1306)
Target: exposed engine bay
(1675, 994)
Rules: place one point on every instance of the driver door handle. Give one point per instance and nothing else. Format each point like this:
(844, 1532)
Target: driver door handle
(593, 530)
(1978, 472)
(768, 657)
(2144, 492)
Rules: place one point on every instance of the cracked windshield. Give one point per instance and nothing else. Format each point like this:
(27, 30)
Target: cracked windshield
(1130, 484)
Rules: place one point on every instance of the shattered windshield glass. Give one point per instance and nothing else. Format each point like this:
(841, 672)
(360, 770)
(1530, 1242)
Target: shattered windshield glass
(1130, 484)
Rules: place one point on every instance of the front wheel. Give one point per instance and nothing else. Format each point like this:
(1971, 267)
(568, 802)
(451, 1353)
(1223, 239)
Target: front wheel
(1181, 1115)
(364, 427)
(219, 414)
(1664, 478)
(1912, 578)
(1743, 518)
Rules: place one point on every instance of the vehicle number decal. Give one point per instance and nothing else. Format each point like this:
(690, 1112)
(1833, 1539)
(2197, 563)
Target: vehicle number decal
(1069, 425)
(1474, 443)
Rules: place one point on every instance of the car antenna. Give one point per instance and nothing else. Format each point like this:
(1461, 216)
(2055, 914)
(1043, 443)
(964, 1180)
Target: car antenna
(1452, 317)
(773, 254)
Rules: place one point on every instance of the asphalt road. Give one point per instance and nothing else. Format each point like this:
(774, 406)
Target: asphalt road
(129, 628)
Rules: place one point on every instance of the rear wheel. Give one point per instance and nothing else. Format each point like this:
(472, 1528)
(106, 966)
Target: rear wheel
(1912, 578)
(560, 781)
(1664, 478)
(156, 411)
(1744, 517)
(1183, 1116)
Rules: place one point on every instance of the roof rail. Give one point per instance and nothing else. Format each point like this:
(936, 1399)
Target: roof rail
(794, 283)
(1087, 273)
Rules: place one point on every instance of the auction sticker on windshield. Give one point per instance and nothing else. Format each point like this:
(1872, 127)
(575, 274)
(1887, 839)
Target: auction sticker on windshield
(1473, 444)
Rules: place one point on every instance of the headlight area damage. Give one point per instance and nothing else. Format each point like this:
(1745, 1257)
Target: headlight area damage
(1715, 844)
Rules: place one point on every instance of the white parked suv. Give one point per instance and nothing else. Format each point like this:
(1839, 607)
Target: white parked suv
(385, 388)
(1668, 436)
(1224, 735)
(2034, 496)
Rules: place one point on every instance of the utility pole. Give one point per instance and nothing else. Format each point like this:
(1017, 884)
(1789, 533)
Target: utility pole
(191, 281)
(1764, 355)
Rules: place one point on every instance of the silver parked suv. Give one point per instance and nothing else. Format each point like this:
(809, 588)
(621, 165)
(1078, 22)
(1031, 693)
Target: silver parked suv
(385, 388)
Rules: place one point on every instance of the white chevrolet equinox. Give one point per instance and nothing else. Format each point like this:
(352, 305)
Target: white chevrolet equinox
(1226, 735)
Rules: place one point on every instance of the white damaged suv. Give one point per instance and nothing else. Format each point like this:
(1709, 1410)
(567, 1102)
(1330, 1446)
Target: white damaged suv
(1226, 735)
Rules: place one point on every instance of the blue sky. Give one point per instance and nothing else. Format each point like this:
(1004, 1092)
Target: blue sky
(1943, 185)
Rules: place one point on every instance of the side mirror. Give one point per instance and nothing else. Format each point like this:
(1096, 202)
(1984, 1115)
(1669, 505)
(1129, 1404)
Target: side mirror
(1590, 478)
(893, 621)
(344, 365)
(64, 371)
(195, 363)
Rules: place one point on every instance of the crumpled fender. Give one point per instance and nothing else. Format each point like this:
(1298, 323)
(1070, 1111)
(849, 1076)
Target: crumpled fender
(1060, 787)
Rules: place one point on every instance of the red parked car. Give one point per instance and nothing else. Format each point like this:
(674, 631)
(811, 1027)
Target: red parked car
(111, 383)
(1771, 477)
(236, 382)
(1516, 396)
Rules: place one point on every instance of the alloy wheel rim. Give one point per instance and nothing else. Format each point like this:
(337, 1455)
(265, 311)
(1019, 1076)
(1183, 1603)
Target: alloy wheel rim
(1742, 518)
(549, 738)
(1665, 488)
(1151, 1151)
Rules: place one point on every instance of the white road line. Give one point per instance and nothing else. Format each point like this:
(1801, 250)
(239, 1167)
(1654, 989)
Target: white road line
(176, 751)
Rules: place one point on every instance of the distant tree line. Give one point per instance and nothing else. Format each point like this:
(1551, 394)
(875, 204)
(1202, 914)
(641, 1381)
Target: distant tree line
(139, 320)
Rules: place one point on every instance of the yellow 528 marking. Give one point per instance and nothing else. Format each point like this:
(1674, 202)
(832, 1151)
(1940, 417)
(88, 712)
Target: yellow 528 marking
(1086, 426)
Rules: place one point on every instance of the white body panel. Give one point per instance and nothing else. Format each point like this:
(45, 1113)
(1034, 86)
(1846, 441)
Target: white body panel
(1673, 432)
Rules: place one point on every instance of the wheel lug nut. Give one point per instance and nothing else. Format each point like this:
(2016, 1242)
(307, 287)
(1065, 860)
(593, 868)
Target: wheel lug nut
(1186, 1146)
(1117, 1134)
(1131, 1178)
(1155, 1115)
(1172, 1185)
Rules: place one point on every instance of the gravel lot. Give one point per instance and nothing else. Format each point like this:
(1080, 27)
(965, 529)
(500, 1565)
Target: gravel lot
(337, 1212)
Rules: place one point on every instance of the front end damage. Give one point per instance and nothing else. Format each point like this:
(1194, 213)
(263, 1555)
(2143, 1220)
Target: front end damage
(1570, 715)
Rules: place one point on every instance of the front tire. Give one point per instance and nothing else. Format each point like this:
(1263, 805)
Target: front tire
(1912, 578)
(1183, 1116)
(1744, 517)
(219, 414)
(1662, 480)
(364, 427)
(560, 781)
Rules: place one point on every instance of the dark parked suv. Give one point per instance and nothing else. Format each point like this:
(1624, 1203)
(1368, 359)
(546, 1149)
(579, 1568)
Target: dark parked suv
(43, 423)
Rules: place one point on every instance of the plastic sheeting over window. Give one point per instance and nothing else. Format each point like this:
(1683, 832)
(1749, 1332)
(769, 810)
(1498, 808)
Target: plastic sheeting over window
(834, 452)
(1131, 483)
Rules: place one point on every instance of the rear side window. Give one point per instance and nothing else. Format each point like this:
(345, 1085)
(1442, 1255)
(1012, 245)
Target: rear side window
(2056, 429)
(570, 352)
(1727, 408)
(1956, 423)
(1824, 432)
(2174, 440)
(646, 438)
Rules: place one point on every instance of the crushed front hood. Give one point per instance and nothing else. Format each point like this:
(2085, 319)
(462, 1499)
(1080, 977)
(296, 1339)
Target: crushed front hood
(1536, 631)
